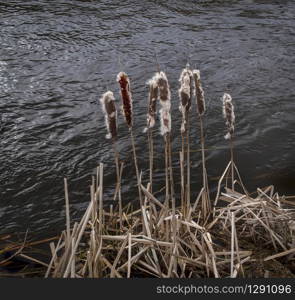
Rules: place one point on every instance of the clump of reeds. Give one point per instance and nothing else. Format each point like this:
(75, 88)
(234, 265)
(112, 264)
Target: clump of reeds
(225, 247)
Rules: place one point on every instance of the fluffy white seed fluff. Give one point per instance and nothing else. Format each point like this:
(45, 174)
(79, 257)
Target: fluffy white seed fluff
(106, 98)
(165, 119)
(164, 90)
(228, 114)
(185, 95)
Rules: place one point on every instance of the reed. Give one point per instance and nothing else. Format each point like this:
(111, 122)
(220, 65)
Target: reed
(229, 116)
(165, 117)
(185, 95)
(151, 120)
(127, 100)
(201, 108)
(110, 112)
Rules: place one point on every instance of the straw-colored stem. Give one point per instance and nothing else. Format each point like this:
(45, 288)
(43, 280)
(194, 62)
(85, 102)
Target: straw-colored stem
(151, 156)
(206, 198)
(173, 204)
(188, 163)
(118, 188)
(67, 211)
(136, 167)
(182, 171)
(232, 162)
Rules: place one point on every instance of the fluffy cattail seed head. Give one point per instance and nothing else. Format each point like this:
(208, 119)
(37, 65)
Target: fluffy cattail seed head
(200, 99)
(164, 90)
(228, 114)
(124, 83)
(185, 93)
(109, 109)
(165, 119)
(165, 101)
(153, 95)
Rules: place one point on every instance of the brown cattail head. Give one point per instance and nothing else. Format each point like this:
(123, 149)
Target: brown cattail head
(109, 109)
(200, 99)
(185, 93)
(228, 114)
(124, 82)
(153, 95)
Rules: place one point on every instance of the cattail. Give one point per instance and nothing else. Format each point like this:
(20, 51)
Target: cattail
(228, 114)
(164, 90)
(124, 82)
(185, 93)
(199, 93)
(165, 100)
(153, 95)
(109, 109)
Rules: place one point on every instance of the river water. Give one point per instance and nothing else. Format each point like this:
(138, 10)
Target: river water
(58, 57)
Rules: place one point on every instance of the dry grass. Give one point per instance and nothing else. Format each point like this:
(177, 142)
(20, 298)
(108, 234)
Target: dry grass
(246, 232)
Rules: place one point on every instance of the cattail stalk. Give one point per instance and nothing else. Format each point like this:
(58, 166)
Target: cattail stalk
(185, 96)
(126, 97)
(151, 116)
(109, 109)
(229, 116)
(165, 118)
(201, 108)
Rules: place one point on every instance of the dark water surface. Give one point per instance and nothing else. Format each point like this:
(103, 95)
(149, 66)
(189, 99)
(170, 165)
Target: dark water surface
(58, 57)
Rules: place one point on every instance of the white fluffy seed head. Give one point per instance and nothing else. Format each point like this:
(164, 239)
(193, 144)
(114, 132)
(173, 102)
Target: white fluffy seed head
(152, 103)
(110, 113)
(185, 93)
(199, 93)
(164, 90)
(165, 119)
(228, 114)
